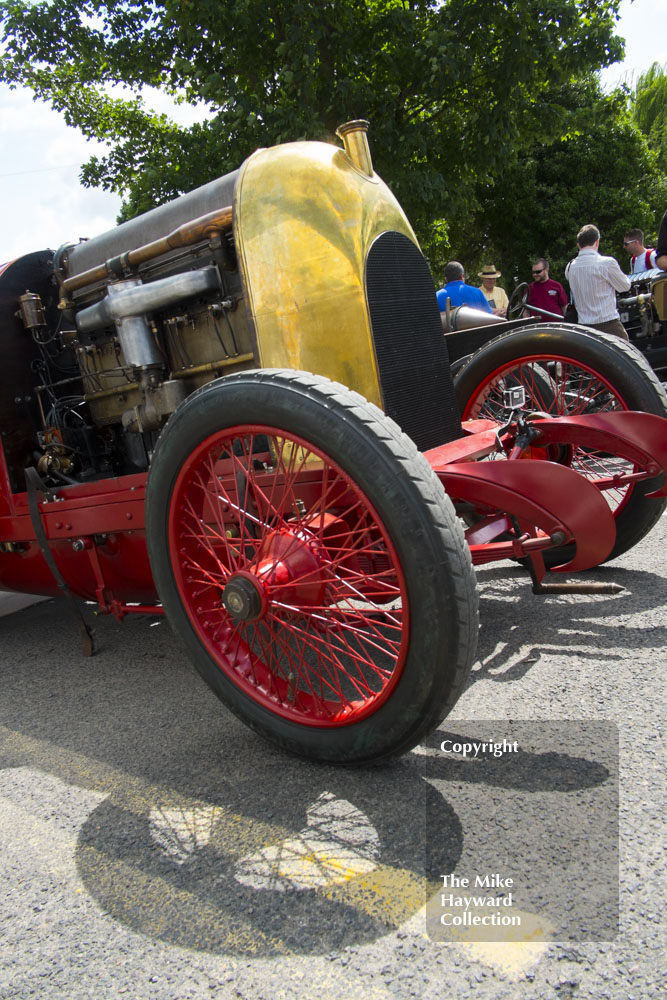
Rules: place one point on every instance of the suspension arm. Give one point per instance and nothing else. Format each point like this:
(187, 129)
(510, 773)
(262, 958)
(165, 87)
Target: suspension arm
(553, 498)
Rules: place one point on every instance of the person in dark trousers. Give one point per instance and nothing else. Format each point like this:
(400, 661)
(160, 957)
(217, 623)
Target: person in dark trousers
(594, 281)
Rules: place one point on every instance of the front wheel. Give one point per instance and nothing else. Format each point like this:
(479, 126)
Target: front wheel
(310, 561)
(567, 372)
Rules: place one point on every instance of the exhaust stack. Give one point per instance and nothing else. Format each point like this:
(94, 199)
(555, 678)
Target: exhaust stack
(356, 145)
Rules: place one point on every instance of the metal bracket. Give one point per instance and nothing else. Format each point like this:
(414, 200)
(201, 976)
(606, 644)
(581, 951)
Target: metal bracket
(570, 588)
(34, 486)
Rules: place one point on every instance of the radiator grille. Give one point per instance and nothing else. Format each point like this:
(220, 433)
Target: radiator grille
(417, 387)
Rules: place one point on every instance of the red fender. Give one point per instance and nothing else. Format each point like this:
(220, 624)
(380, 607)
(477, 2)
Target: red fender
(552, 497)
(641, 438)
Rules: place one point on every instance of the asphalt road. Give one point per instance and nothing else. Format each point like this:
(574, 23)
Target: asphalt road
(152, 847)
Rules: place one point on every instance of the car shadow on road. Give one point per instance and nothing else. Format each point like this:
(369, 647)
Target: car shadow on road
(518, 627)
(208, 838)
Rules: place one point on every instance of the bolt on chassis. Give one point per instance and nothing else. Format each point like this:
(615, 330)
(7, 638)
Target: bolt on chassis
(237, 410)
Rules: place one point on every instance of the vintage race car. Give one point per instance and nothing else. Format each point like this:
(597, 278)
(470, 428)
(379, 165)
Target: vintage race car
(643, 312)
(238, 410)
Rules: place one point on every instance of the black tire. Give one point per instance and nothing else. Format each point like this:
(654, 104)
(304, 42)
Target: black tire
(605, 373)
(398, 501)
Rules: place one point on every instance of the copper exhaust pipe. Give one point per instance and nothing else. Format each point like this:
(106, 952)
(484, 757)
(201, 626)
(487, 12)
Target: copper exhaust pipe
(205, 227)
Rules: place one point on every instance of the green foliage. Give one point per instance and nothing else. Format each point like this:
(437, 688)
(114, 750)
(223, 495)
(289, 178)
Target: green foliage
(486, 119)
(600, 170)
(648, 107)
(649, 101)
(454, 89)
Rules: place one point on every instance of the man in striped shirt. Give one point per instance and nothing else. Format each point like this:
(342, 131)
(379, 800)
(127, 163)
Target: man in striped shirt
(594, 281)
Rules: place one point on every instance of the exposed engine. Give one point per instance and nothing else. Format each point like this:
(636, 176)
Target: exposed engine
(643, 312)
(104, 339)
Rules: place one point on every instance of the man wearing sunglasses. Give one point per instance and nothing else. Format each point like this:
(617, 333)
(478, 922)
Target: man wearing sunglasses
(641, 258)
(544, 292)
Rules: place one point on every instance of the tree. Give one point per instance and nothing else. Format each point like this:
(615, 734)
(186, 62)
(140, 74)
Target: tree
(452, 89)
(598, 169)
(648, 107)
(648, 104)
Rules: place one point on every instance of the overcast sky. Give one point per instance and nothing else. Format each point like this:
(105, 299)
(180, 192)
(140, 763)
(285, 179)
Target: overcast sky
(43, 204)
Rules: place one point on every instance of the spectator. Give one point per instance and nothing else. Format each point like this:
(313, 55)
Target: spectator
(544, 292)
(458, 293)
(594, 281)
(641, 259)
(661, 252)
(494, 295)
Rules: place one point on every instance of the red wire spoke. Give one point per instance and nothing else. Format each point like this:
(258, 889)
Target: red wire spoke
(295, 663)
(206, 542)
(290, 473)
(535, 390)
(327, 674)
(576, 389)
(389, 648)
(309, 653)
(327, 656)
(343, 625)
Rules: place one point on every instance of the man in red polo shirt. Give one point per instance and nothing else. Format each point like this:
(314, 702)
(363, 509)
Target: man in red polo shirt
(544, 292)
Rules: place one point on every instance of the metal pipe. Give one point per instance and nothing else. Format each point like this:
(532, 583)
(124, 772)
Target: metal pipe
(93, 397)
(204, 227)
(212, 366)
(131, 298)
(468, 318)
(636, 299)
(577, 588)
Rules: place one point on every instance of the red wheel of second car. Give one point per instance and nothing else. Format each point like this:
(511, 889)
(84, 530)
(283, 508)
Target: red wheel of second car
(567, 371)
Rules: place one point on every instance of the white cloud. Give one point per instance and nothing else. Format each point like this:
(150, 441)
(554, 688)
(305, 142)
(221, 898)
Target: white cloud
(42, 202)
(643, 25)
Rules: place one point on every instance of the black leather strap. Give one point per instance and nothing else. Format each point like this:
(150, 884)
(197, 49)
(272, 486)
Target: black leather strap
(34, 486)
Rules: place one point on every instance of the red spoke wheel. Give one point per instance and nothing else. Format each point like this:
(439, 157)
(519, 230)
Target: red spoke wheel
(566, 371)
(312, 564)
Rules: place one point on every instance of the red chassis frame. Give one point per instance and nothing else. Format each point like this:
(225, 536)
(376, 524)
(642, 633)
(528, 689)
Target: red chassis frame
(95, 531)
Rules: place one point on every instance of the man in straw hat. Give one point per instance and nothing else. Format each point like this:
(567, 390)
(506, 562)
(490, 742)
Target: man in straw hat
(495, 296)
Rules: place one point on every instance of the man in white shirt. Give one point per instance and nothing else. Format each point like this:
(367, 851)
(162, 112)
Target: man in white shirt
(594, 281)
(641, 257)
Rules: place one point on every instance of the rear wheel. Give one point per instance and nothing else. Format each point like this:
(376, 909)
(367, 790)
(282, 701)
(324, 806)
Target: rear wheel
(313, 566)
(566, 372)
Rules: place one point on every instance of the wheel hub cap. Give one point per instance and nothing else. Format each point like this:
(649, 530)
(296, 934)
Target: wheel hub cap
(242, 598)
(287, 568)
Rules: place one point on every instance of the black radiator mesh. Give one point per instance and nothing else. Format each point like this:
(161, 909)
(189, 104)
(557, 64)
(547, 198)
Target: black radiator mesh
(417, 386)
